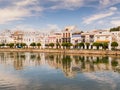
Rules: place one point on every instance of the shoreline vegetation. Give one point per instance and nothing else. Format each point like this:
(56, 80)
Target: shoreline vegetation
(66, 51)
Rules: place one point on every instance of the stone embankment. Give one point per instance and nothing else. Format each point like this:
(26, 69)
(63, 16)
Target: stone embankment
(92, 52)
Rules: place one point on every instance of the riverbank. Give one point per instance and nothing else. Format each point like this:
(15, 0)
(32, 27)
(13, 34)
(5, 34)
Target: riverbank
(92, 52)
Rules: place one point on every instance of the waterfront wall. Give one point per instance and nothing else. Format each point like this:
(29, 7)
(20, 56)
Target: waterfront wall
(94, 52)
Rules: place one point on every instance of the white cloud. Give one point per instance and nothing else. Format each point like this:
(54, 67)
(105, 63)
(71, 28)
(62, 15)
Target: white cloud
(13, 79)
(53, 27)
(113, 8)
(67, 4)
(108, 3)
(11, 14)
(26, 2)
(100, 22)
(18, 10)
(104, 2)
(95, 17)
(47, 29)
(24, 27)
(115, 22)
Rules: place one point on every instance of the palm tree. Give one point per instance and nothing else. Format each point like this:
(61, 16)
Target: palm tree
(38, 44)
(114, 45)
(33, 44)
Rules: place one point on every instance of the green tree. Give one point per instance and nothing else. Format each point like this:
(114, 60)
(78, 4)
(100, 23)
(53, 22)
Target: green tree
(76, 46)
(51, 45)
(97, 45)
(105, 45)
(68, 45)
(81, 45)
(33, 44)
(47, 45)
(38, 44)
(64, 45)
(114, 45)
(7, 45)
(87, 45)
(23, 45)
(115, 29)
(57, 45)
(17, 45)
(11, 45)
(2, 45)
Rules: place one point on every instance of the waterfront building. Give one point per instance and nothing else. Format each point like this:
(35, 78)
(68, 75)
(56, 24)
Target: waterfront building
(67, 34)
(17, 36)
(70, 34)
(53, 37)
(29, 37)
(104, 36)
(116, 35)
(6, 37)
(76, 38)
(58, 36)
(87, 37)
(41, 39)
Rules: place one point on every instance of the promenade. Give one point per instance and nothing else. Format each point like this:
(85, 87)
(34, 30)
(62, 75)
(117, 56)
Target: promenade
(67, 51)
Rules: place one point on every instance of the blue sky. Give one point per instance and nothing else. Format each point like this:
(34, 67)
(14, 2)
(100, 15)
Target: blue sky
(56, 14)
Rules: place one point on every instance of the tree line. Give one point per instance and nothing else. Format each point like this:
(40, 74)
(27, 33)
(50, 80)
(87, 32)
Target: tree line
(64, 45)
(115, 29)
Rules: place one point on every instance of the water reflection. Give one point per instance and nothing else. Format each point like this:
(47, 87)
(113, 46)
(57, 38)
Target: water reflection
(69, 64)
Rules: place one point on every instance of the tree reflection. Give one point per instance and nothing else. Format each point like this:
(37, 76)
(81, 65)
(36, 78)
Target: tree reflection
(18, 61)
(69, 64)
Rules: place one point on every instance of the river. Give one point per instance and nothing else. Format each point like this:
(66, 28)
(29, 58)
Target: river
(52, 71)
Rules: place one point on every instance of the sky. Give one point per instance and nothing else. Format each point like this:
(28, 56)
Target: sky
(56, 14)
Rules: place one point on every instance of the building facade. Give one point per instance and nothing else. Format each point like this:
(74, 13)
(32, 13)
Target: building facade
(70, 34)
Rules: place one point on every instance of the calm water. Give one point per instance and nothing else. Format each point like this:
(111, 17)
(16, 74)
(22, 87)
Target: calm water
(45, 71)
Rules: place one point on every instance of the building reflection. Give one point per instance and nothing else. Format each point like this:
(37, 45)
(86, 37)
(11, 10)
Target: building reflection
(70, 65)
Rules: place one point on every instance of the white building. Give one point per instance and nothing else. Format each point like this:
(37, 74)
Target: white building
(105, 36)
(5, 37)
(29, 37)
(76, 38)
(87, 37)
(116, 35)
(67, 34)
